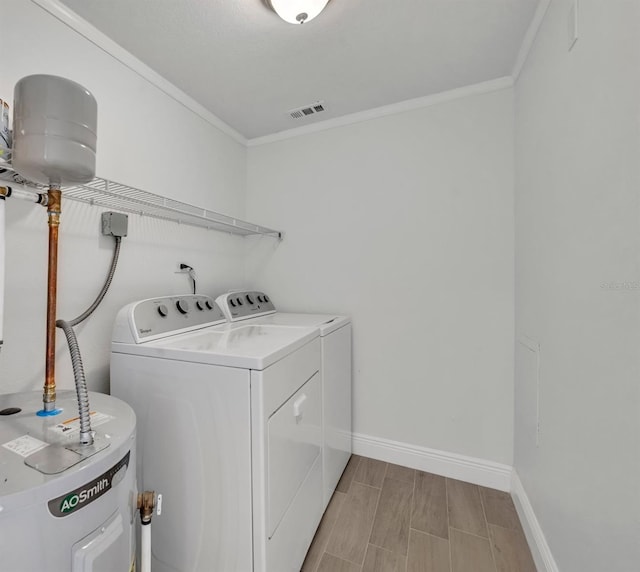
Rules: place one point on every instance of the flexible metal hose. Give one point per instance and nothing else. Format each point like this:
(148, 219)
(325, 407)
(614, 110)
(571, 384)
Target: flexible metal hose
(114, 261)
(86, 436)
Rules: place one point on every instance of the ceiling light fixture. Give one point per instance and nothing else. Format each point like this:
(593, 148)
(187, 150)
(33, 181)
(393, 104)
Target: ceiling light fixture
(297, 11)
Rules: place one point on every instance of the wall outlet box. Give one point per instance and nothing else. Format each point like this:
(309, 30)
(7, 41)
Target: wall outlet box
(572, 25)
(115, 224)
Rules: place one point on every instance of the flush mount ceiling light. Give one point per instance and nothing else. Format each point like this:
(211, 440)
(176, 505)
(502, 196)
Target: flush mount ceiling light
(297, 11)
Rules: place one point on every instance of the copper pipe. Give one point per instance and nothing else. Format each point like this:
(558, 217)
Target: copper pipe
(53, 212)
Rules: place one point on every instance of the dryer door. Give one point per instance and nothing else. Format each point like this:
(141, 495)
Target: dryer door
(294, 444)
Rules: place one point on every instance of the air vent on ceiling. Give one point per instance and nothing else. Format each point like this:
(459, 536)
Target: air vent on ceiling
(307, 110)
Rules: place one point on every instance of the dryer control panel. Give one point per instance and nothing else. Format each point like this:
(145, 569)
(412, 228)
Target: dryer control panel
(158, 317)
(245, 304)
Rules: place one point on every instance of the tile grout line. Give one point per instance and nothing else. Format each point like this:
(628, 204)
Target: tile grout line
(446, 498)
(429, 533)
(469, 533)
(345, 559)
(504, 527)
(410, 512)
(324, 548)
(413, 501)
(387, 550)
(325, 551)
(369, 543)
(413, 492)
(367, 484)
(486, 523)
(355, 470)
(373, 522)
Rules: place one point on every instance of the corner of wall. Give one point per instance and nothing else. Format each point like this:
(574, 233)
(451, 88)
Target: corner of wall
(533, 531)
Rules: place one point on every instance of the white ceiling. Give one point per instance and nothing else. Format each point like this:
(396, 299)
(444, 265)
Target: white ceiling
(248, 67)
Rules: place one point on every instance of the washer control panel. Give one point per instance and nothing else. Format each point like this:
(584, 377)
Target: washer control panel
(157, 317)
(245, 304)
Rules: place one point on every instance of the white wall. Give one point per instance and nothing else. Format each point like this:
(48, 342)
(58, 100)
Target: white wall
(145, 139)
(406, 224)
(577, 241)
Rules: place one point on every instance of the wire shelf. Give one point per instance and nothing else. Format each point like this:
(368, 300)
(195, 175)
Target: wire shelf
(116, 196)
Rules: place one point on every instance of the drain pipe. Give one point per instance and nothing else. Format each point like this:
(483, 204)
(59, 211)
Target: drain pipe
(53, 213)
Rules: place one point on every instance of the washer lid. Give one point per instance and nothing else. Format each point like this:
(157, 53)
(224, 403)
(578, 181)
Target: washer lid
(249, 346)
(327, 323)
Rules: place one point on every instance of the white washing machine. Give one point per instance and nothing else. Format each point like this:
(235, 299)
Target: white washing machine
(229, 431)
(335, 343)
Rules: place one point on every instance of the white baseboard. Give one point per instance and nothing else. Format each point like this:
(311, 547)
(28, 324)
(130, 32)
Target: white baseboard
(535, 537)
(452, 465)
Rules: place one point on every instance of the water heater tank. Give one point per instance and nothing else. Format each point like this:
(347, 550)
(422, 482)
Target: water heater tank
(80, 519)
(54, 130)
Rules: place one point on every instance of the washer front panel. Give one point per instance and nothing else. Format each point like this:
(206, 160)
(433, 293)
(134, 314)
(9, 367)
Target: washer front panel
(159, 317)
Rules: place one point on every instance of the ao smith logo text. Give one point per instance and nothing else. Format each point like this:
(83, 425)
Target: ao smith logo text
(73, 500)
(87, 493)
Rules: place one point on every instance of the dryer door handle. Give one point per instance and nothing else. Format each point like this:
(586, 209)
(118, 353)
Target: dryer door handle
(297, 407)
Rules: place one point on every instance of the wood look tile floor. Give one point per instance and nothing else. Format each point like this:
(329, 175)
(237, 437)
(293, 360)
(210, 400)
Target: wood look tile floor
(387, 518)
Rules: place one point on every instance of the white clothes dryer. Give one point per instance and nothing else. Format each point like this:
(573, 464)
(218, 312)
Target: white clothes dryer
(335, 343)
(229, 431)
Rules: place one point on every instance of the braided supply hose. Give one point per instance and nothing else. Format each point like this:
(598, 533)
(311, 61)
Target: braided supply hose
(86, 434)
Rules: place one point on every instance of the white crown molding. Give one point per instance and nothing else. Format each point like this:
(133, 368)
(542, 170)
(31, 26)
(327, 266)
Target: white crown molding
(469, 469)
(530, 38)
(91, 33)
(535, 537)
(401, 107)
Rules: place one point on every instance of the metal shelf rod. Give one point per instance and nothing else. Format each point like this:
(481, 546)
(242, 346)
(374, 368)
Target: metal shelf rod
(109, 194)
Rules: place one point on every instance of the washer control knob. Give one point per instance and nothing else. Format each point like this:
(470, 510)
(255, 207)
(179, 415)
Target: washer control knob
(163, 311)
(183, 306)
(249, 299)
(239, 302)
(209, 305)
(199, 305)
(265, 298)
(232, 302)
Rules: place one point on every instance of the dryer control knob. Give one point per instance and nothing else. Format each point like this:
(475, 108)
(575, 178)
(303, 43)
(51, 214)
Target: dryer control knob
(209, 305)
(232, 302)
(199, 305)
(249, 299)
(163, 311)
(182, 306)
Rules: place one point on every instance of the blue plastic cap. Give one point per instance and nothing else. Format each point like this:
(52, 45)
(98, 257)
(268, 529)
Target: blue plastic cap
(43, 413)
